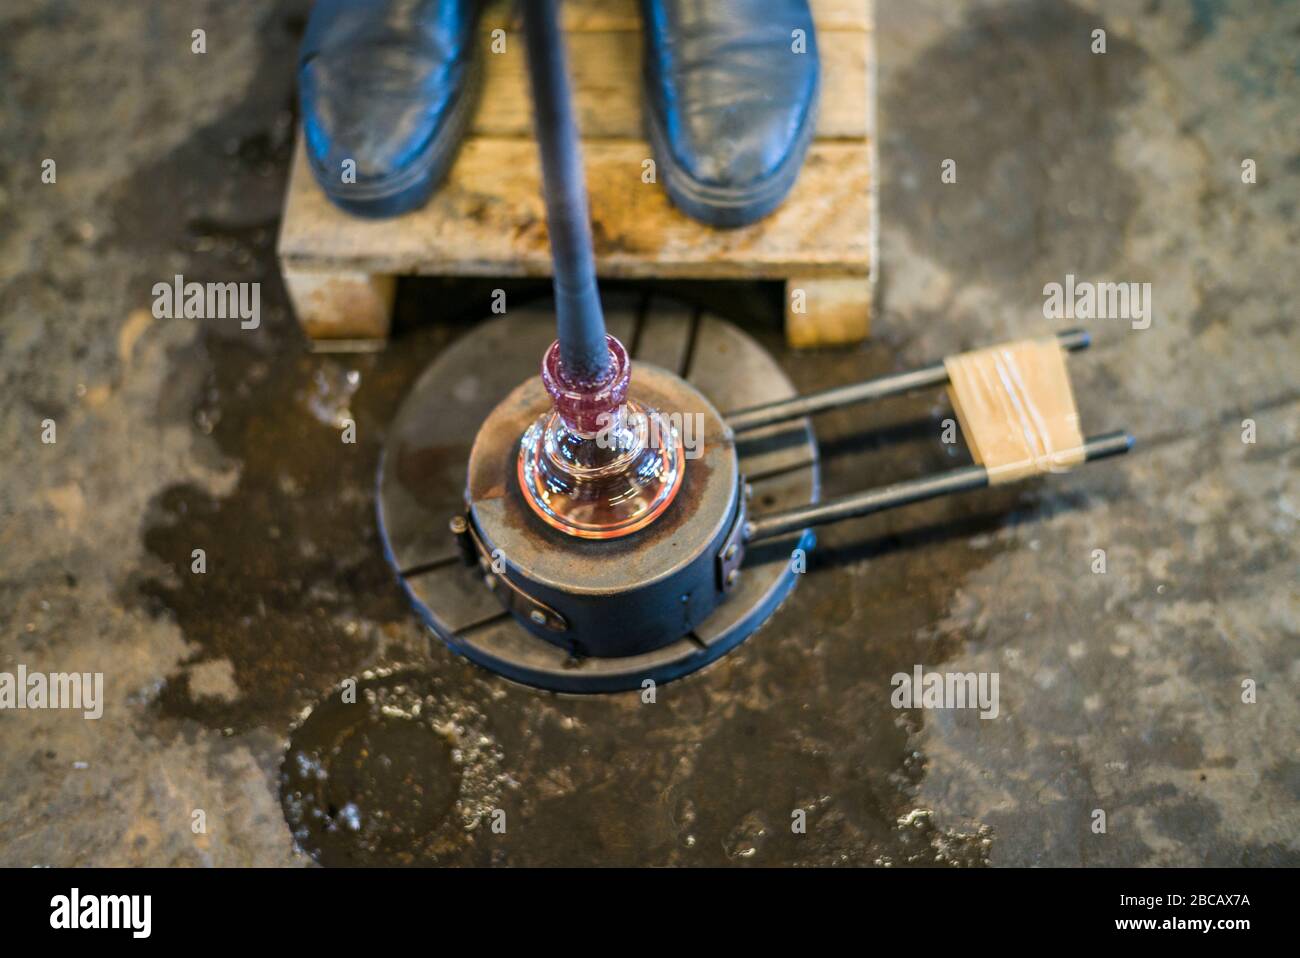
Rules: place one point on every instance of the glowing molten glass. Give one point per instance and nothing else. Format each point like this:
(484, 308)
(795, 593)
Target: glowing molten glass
(588, 466)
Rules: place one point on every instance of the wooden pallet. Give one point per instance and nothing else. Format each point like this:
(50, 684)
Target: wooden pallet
(488, 217)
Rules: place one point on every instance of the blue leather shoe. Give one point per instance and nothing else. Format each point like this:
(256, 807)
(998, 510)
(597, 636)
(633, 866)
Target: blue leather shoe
(390, 85)
(730, 104)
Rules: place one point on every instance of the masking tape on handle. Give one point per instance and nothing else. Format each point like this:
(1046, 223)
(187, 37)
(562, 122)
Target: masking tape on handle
(1016, 408)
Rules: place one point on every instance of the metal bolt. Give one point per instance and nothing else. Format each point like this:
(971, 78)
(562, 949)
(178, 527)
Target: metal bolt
(458, 525)
(537, 616)
(732, 576)
(730, 553)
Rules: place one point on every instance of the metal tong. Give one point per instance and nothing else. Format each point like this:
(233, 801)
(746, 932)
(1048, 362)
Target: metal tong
(963, 479)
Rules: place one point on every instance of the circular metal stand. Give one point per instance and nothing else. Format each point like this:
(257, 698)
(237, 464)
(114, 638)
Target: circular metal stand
(617, 597)
(425, 463)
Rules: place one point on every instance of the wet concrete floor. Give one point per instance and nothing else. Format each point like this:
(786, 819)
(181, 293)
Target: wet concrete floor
(224, 739)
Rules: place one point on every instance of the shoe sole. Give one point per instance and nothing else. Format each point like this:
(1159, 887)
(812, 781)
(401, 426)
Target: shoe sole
(723, 207)
(411, 188)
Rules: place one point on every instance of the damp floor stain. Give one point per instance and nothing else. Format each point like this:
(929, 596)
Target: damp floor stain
(1029, 115)
(388, 771)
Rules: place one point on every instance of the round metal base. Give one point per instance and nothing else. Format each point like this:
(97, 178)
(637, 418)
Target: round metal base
(424, 466)
(607, 598)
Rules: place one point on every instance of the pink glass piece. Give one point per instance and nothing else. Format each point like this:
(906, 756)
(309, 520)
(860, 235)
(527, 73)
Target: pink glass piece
(590, 466)
(582, 403)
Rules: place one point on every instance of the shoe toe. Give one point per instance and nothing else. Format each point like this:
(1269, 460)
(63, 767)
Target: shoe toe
(732, 99)
(351, 114)
(740, 147)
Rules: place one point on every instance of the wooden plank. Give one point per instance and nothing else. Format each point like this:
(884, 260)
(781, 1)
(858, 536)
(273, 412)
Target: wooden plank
(607, 87)
(594, 15)
(340, 304)
(488, 220)
(827, 312)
